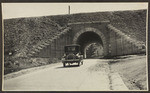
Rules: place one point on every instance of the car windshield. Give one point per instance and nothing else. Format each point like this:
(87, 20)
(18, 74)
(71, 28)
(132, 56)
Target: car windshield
(72, 49)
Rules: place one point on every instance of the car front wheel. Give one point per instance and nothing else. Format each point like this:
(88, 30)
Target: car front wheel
(78, 63)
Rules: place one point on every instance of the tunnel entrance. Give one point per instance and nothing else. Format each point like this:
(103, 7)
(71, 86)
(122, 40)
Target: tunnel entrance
(94, 50)
(88, 38)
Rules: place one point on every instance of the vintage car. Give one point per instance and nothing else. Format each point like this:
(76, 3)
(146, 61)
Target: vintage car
(72, 55)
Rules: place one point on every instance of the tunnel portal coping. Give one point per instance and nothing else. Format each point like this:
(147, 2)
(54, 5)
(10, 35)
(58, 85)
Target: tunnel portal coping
(89, 22)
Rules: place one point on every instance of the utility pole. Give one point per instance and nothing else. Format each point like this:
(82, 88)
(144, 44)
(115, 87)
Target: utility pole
(69, 9)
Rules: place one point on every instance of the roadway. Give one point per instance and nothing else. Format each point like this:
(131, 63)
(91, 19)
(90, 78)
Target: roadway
(93, 75)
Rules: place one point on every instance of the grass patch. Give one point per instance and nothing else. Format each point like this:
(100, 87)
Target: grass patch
(18, 64)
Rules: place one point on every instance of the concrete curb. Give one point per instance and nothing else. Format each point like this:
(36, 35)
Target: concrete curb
(117, 83)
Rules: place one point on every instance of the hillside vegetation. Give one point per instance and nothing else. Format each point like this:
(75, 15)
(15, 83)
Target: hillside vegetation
(21, 34)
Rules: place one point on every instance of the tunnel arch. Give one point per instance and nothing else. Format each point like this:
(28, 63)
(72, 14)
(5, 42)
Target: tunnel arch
(95, 36)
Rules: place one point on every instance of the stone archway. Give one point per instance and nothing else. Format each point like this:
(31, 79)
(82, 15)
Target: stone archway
(100, 37)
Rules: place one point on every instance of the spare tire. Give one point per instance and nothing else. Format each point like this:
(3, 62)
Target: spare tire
(71, 56)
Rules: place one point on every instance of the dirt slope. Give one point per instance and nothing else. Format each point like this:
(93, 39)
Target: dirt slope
(132, 70)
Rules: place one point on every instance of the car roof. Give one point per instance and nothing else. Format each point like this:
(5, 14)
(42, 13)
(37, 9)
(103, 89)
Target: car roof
(73, 45)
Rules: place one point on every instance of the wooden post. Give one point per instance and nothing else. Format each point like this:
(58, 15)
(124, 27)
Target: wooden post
(115, 43)
(50, 51)
(85, 52)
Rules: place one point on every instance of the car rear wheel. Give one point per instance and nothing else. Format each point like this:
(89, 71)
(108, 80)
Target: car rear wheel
(81, 62)
(64, 64)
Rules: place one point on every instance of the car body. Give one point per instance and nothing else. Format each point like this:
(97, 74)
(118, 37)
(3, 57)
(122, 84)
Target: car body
(72, 55)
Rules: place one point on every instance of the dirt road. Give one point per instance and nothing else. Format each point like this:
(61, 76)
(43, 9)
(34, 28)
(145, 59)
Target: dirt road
(93, 75)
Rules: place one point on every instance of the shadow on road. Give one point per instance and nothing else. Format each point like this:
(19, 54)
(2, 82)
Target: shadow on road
(68, 66)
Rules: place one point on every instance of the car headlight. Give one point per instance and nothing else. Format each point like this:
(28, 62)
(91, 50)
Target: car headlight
(77, 55)
(63, 58)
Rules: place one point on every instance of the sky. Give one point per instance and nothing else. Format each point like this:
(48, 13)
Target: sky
(16, 10)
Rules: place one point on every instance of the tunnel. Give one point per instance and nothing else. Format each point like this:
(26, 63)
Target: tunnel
(87, 38)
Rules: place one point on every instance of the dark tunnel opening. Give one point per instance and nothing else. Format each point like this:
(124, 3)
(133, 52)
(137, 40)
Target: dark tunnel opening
(87, 38)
